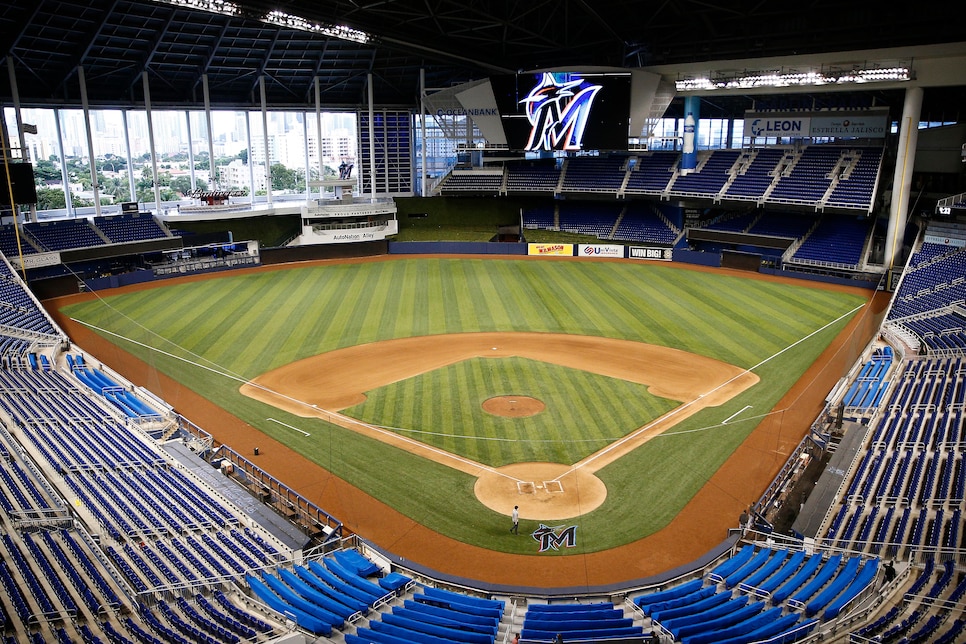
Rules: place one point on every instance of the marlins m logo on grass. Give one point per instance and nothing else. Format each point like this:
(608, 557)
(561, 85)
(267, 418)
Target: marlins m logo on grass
(552, 537)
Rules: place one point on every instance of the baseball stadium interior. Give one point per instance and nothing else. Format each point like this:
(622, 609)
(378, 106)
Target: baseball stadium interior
(146, 140)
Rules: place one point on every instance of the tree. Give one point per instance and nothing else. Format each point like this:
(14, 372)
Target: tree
(111, 163)
(243, 155)
(285, 178)
(51, 199)
(45, 170)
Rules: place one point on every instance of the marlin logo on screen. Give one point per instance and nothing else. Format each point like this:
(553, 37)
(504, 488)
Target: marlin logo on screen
(558, 112)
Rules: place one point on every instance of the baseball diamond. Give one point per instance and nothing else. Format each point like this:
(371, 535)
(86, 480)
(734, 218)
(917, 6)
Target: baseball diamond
(275, 343)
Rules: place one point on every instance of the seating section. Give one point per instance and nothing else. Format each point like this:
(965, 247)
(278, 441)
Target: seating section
(711, 175)
(836, 241)
(924, 614)
(64, 234)
(913, 462)
(928, 303)
(643, 222)
(130, 227)
(537, 177)
(575, 621)
(650, 173)
(593, 174)
(870, 385)
(467, 182)
(759, 593)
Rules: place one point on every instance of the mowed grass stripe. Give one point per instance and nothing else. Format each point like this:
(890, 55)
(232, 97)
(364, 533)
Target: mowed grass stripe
(445, 405)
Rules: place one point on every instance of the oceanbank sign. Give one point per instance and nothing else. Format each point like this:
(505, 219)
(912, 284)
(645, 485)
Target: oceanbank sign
(468, 111)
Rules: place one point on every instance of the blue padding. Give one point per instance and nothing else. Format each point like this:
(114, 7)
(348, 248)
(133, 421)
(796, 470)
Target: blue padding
(326, 576)
(765, 632)
(291, 597)
(608, 615)
(745, 626)
(732, 564)
(414, 637)
(773, 563)
(797, 580)
(865, 576)
(595, 634)
(369, 636)
(575, 624)
(449, 622)
(570, 608)
(394, 581)
(786, 571)
(668, 593)
(730, 619)
(306, 591)
(684, 600)
(749, 567)
(701, 605)
(828, 570)
(355, 561)
(303, 619)
(455, 604)
(351, 578)
(675, 625)
(319, 585)
(466, 599)
(460, 616)
(437, 630)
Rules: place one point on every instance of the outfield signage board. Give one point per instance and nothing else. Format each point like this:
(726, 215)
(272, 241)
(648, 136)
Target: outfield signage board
(873, 126)
(945, 241)
(781, 126)
(36, 260)
(644, 252)
(550, 249)
(600, 250)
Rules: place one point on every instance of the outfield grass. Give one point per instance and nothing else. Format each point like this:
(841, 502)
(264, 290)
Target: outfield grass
(244, 325)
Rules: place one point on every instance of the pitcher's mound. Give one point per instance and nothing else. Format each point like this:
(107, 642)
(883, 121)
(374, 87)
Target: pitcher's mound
(513, 406)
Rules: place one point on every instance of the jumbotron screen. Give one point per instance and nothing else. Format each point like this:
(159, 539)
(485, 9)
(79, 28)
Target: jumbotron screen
(566, 111)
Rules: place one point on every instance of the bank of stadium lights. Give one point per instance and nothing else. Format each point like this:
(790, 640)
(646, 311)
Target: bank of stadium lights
(342, 32)
(778, 79)
(279, 18)
(211, 6)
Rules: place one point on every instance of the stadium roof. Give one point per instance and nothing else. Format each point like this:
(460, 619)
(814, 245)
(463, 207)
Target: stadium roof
(291, 42)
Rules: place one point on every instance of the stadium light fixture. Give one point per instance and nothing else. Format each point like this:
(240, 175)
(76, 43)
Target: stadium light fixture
(342, 32)
(781, 78)
(275, 17)
(212, 6)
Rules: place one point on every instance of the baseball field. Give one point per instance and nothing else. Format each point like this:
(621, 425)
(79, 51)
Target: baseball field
(599, 396)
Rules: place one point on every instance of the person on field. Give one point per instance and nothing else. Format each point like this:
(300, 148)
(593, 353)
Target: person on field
(515, 517)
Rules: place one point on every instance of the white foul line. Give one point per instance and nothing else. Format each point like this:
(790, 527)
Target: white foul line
(725, 421)
(289, 426)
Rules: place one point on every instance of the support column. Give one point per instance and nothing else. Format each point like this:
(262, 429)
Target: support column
(154, 153)
(689, 147)
(902, 180)
(422, 131)
(372, 138)
(268, 160)
(90, 141)
(212, 181)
